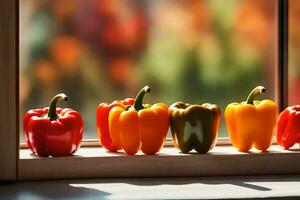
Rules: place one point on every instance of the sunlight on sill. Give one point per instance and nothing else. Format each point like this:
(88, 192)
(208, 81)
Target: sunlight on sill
(92, 152)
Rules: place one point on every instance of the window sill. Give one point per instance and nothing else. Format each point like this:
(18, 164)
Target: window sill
(95, 162)
(245, 187)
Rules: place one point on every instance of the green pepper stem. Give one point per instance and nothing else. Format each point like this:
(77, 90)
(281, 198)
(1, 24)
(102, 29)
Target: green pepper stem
(253, 93)
(52, 115)
(138, 104)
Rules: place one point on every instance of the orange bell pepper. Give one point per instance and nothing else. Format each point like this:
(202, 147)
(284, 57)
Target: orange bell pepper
(139, 126)
(102, 123)
(251, 123)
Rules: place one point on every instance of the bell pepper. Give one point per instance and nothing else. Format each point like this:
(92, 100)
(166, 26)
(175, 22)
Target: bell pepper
(102, 123)
(251, 123)
(194, 126)
(53, 131)
(139, 126)
(288, 127)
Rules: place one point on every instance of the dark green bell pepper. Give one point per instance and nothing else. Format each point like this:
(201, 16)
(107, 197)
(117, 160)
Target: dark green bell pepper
(194, 126)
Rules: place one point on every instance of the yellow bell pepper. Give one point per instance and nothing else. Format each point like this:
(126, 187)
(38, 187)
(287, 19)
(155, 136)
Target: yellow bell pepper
(251, 123)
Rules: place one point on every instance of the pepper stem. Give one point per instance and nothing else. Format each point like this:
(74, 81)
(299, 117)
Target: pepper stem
(253, 93)
(52, 115)
(138, 104)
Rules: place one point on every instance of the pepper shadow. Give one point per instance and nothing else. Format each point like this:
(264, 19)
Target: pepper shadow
(47, 190)
(206, 181)
(248, 182)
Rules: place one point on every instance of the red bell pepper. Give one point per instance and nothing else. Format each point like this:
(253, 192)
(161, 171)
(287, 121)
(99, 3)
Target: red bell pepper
(288, 127)
(102, 123)
(53, 131)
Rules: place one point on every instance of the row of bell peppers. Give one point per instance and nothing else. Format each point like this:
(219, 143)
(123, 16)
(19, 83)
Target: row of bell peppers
(131, 126)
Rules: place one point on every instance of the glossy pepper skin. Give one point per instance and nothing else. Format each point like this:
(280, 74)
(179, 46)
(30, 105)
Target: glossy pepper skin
(251, 123)
(288, 127)
(194, 126)
(53, 131)
(103, 111)
(139, 126)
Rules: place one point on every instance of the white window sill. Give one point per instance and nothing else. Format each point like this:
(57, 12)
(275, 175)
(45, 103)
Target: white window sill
(96, 162)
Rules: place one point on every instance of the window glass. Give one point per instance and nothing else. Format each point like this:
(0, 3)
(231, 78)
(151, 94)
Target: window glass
(294, 52)
(188, 50)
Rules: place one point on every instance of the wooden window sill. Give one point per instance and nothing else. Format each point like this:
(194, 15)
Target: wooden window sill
(95, 162)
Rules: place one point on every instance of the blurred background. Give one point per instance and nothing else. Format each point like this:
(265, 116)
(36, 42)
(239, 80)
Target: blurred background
(294, 52)
(187, 50)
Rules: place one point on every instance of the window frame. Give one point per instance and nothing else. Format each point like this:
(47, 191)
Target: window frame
(11, 164)
(9, 84)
